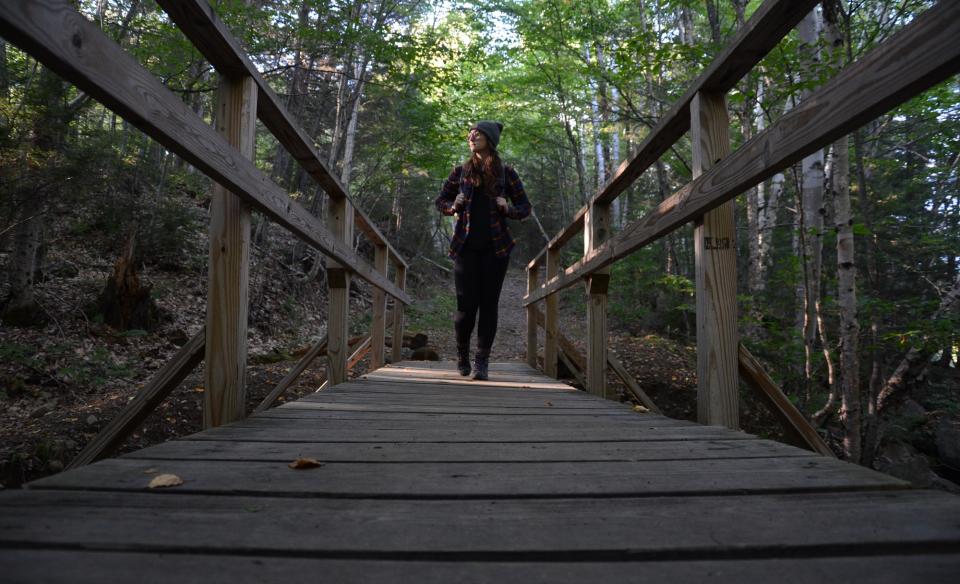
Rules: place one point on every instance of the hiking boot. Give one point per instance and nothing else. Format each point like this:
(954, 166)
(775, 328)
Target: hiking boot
(463, 359)
(481, 364)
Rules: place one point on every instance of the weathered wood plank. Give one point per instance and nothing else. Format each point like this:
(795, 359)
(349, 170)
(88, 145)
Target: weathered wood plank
(680, 528)
(486, 479)
(400, 279)
(466, 452)
(551, 327)
(491, 422)
(542, 408)
(79, 567)
(228, 270)
(462, 396)
(378, 328)
(340, 221)
(533, 279)
(459, 434)
(715, 246)
(453, 378)
(596, 231)
(766, 27)
(168, 378)
(916, 58)
(414, 424)
(66, 42)
(545, 415)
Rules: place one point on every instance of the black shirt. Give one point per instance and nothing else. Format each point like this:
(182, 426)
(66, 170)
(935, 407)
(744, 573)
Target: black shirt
(479, 236)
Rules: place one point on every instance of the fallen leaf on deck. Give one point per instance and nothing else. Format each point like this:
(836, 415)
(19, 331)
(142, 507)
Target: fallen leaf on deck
(165, 480)
(302, 463)
(550, 404)
(641, 409)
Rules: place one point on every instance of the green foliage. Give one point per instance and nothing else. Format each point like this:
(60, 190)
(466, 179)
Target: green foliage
(434, 311)
(643, 298)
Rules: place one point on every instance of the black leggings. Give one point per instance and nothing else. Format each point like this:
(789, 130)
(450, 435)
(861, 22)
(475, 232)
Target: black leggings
(479, 277)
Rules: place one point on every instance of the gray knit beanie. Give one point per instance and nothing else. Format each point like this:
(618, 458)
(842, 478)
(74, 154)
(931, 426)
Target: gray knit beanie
(491, 130)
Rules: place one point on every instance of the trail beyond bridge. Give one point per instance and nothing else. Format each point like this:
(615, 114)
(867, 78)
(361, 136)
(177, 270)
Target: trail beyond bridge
(413, 474)
(425, 477)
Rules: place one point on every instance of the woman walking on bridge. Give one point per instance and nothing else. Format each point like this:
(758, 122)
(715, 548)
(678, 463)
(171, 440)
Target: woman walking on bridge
(482, 192)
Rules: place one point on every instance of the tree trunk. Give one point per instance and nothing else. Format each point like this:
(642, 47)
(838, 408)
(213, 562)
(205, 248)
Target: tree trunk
(713, 16)
(4, 76)
(812, 204)
(48, 131)
(847, 299)
(296, 93)
(124, 302)
(767, 202)
(21, 308)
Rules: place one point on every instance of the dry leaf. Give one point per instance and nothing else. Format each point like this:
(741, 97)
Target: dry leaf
(301, 463)
(550, 404)
(165, 480)
(641, 409)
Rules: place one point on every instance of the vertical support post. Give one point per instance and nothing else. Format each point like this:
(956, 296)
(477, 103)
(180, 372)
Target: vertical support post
(228, 277)
(340, 220)
(401, 282)
(552, 324)
(379, 327)
(716, 268)
(596, 229)
(533, 279)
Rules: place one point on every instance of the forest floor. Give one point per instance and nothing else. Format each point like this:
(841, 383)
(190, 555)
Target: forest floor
(62, 382)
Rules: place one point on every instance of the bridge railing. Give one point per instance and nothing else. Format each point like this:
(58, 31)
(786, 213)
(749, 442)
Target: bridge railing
(922, 54)
(62, 39)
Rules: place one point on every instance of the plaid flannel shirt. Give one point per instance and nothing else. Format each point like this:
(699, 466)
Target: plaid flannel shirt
(509, 188)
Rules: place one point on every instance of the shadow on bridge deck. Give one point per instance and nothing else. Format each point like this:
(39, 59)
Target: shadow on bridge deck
(428, 477)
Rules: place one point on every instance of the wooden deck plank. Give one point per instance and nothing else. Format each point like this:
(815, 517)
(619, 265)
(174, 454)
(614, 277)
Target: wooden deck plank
(545, 416)
(402, 406)
(465, 452)
(431, 433)
(493, 423)
(488, 479)
(685, 528)
(99, 567)
(408, 465)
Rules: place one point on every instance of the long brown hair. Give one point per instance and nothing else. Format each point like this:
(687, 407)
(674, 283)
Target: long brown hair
(491, 169)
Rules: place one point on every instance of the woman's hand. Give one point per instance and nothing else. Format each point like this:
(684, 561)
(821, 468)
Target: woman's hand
(459, 202)
(502, 205)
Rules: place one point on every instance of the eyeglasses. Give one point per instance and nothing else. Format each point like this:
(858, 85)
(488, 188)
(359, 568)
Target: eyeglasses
(474, 133)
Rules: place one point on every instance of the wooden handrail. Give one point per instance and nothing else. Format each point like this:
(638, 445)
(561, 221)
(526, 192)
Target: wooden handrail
(766, 28)
(66, 42)
(198, 21)
(917, 57)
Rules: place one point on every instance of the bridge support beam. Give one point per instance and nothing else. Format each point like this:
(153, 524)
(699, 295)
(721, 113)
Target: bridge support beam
(552, 328)
(533, 278)
(379, 326)
(596, 229)
(400, 279)
(340, 220)
(228, 274)
(716, 269)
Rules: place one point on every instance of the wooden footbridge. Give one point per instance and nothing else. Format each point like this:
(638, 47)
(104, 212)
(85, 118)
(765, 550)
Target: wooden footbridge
(411, 473)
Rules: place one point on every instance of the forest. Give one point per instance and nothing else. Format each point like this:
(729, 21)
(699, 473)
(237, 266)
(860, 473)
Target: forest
(848, 279)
